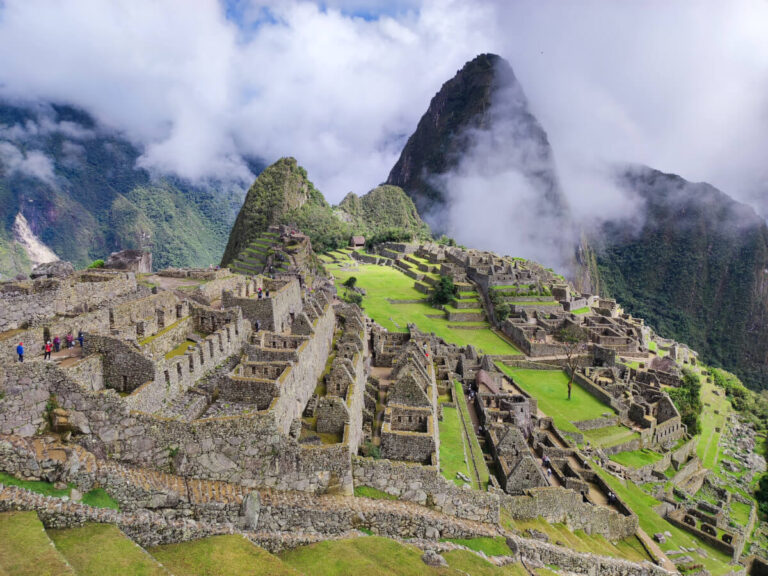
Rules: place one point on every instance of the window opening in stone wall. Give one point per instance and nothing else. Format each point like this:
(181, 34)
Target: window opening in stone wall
(191, 363)
(167, 378)
(178, 310)
(125, 382)
(178, 369)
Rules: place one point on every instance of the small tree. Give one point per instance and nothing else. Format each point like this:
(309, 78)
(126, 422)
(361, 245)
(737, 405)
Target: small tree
(350, 282)
(574, 341)
(443, 291)
(96, 264)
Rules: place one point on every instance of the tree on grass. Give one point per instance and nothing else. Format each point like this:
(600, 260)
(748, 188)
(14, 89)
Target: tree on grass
(350, 282)
(573, 339)
(687, 399)
(443, 292)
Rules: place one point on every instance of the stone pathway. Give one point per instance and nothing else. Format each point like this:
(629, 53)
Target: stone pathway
(651, 544)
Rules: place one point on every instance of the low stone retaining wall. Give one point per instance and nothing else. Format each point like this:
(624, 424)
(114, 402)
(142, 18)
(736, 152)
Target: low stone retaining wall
(424, 485)
(596, 423)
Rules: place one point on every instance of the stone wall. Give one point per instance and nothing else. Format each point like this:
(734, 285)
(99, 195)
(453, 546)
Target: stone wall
(273, 313)
(558, 505)
(124, 367)
(424, 485)
(88, 372)
(596, 423)
(28, 302)
(91, 322)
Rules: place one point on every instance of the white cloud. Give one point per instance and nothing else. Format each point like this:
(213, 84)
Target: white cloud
(31, 163)
(681, 86)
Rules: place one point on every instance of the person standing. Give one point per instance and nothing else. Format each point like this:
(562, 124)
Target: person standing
(70, 340)
(20, 351)
(80, 338)
(56, 343)
(48, 348)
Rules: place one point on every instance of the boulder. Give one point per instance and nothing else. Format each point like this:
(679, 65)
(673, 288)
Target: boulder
(58, 269)
(131, 260)
(432, 558)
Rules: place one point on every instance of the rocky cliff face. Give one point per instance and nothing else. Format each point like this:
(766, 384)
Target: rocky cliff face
(71, 185)
(483, 97)
(696, 268)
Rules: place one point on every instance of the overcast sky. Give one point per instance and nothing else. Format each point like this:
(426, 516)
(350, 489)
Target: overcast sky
(681, 86)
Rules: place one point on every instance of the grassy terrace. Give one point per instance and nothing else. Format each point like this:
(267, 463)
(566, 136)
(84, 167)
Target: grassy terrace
(232, 555)
(637, 458)
(457, 449)
(25, 550)
(97, 497)
(709, 443)
(550, 388)
(644, 506)
(629, 548)
(98, 549)
(384, 283)
(610, 436)
(374, 556)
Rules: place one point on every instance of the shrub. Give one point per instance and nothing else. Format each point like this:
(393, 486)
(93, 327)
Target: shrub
(443, 292)
(96, 264)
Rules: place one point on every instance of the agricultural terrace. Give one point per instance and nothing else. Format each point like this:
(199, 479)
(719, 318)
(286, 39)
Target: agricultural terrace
(714, 413)
(392, 301)
(644, 505)
(459, 448)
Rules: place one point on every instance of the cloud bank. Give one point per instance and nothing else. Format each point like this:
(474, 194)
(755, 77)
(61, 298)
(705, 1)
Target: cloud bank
(340, 84)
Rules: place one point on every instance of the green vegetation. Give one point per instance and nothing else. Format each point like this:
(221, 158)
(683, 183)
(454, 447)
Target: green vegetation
(232, 555)
(443, 292)
(463, 562)
(181, 349)
(753, 407)
(580, 311)
(644, 506)
(99, 498)
(452, 447)
(610, 436)
(688, 401)
(474, 452)
(740, 512)
(715, 411)
(491, 546)
(375, 493)
(98, 549)
(694, 271)
(96, 264)
(45, 488)
(550, 388)
(369, 555)
(629, 549)
(385, 285)
(637, 458)
(25, 550)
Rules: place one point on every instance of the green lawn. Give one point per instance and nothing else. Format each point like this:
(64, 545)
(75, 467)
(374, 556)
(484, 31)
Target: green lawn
(452, 447)
(473, 444)
(550, 388)
(375, 556)
(637, 458)
(583, 310)
(610, 436)
(708, 447)
(376, 494)
(740, 512)
(99, 549)
(629, 549)
(25, 549)
(97, 497)
(232, 555)
(644, 504)
(384, 283)
(491, 546)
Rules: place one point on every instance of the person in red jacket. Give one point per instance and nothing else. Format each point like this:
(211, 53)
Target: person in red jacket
(48, 348)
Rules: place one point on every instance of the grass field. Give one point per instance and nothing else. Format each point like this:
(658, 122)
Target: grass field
(644, 504)
(452, 447)
(232, 555)
(610, 436)
(708, 447)
(374, 556)
(25, 549)
(99, 549)
(637, 458)
(550, 388)
(97, 497)
(629, 549)
(384, 283)
(374, 493)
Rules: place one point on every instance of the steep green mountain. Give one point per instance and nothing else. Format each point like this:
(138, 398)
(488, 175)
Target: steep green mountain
(283, 194)
(484, 97)
(78, 186)
(383, 208)
(696, 269)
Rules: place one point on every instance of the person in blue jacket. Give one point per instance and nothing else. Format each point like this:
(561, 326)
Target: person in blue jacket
(20, 351)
